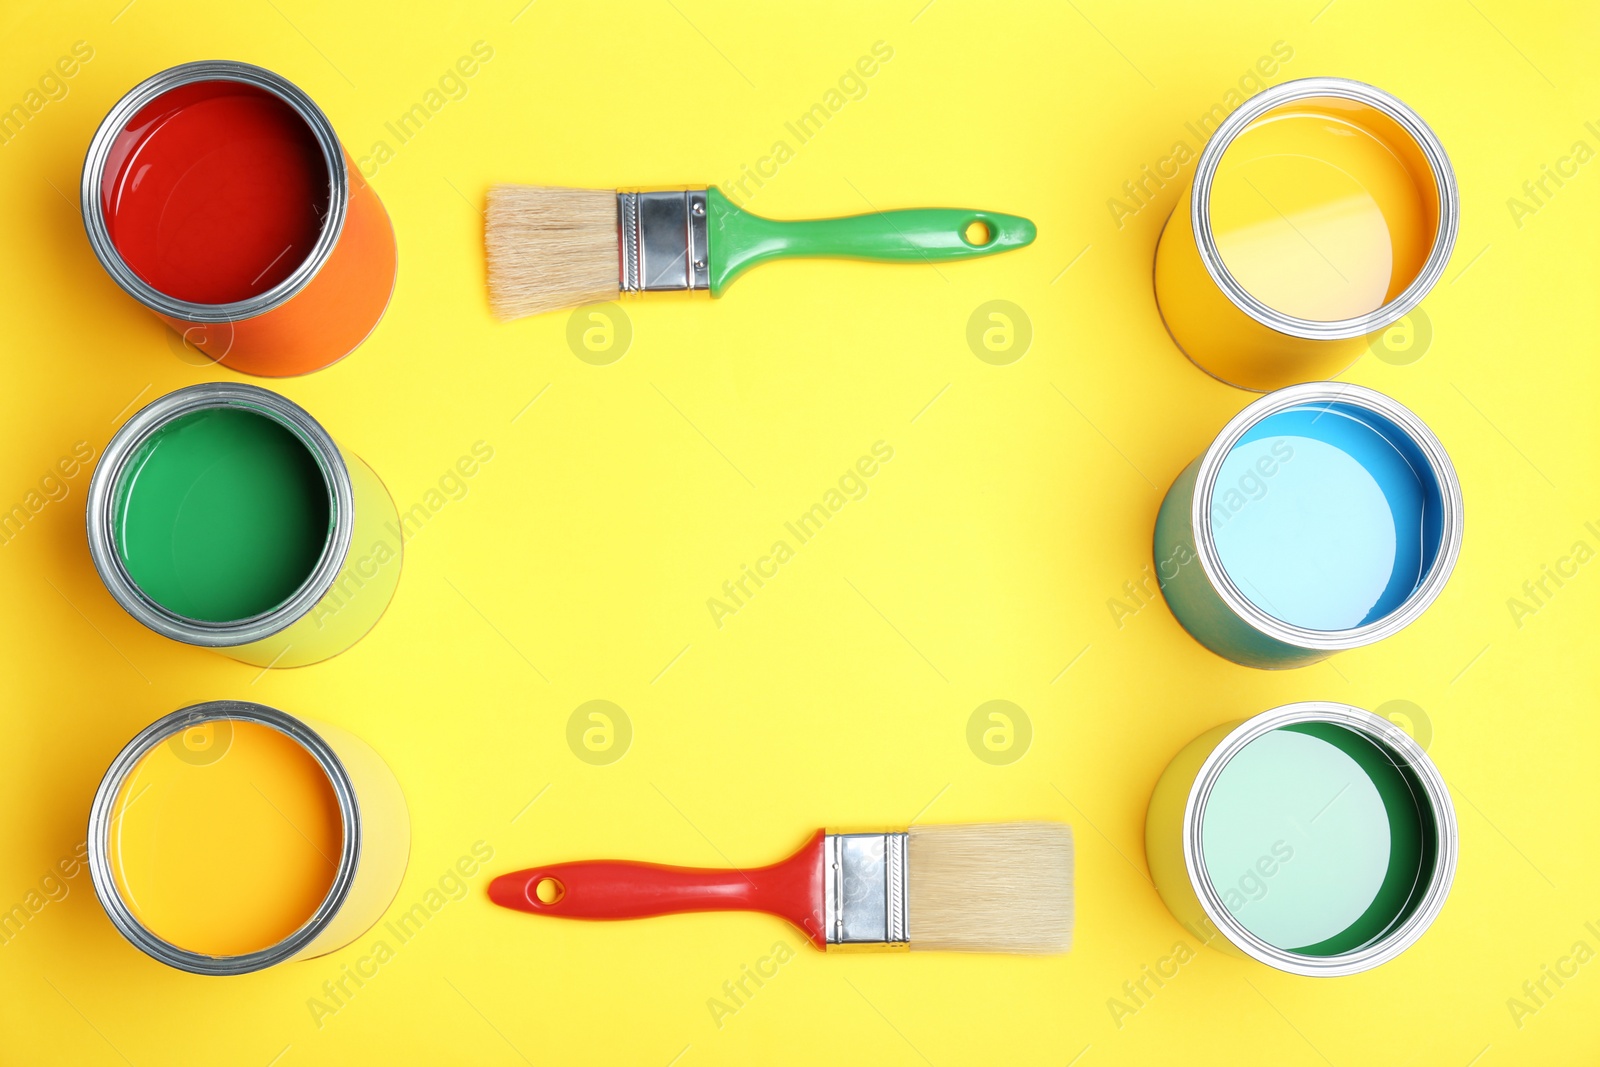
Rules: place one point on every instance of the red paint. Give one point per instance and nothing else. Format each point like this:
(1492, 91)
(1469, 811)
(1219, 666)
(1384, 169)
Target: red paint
(791, 889)
(215, 192)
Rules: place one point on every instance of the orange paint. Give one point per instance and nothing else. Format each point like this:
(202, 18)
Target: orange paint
(225, 845)
(1316, 216)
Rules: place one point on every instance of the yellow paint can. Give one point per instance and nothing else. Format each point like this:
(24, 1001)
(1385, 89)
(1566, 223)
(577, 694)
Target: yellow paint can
(1322, 211)
(228, 837)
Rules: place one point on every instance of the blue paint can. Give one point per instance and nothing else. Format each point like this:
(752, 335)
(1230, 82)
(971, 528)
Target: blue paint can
(1324, 516)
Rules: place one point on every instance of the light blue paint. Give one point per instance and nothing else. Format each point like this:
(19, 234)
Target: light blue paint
(1326, 516)
(1316, 840)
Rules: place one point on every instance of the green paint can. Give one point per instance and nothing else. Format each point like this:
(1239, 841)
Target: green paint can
(224, 515)
(1316, 838)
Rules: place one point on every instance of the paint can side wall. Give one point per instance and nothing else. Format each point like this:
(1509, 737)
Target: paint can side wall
(1192, 598)
(1164, 834)
(1219, 337)
(330, 317)
(365, 585)
(385, 823)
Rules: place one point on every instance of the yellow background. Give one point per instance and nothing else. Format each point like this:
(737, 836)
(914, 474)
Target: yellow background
(1019, 500)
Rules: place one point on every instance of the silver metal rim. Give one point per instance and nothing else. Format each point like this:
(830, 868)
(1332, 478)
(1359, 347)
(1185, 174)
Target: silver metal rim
(94, 164)
(1399, 746)
(1343, 89)
(125, 445)
(100, 817)
(1439, 466)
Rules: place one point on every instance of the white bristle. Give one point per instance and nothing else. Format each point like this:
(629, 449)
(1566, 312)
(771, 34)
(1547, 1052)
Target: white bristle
(1005, 887)
(550, 248)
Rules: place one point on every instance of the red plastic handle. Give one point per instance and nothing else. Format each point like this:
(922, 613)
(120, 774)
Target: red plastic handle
(618, 889)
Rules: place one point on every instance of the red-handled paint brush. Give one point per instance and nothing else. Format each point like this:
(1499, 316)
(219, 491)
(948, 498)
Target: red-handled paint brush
(989, 888)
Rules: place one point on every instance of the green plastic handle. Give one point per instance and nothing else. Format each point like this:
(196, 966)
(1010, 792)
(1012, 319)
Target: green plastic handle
(738, 240)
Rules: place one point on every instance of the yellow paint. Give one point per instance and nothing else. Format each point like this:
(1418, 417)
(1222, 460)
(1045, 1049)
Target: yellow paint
(993, 540)
(226, 854)
(1316, 216)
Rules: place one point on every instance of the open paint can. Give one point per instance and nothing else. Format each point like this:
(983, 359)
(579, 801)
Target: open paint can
(1317, 838)
(1322, 211)
(218, 196)
(228, 837)
(223, 515)
(1323, 517)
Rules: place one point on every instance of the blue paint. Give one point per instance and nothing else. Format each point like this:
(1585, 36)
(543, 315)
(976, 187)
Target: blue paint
(1326, 516)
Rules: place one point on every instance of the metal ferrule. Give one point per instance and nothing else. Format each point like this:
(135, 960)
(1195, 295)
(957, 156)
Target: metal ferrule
(662, 234)
(864, 891)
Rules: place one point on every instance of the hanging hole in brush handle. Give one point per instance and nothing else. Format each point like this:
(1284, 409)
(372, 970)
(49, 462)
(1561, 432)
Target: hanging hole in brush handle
(738, 240)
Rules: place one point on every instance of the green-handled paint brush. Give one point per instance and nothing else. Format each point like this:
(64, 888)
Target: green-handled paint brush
(553, 248)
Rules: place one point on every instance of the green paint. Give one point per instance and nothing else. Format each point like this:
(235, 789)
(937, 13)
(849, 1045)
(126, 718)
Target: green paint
(221, 515)
(738, 240)
(1317, 840)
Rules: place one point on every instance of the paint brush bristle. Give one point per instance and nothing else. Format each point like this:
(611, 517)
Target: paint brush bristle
(550, 248)
(1004, 887)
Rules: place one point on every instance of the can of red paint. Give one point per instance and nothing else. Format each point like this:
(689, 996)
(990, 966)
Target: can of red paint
(1317, 838)
(1323, 517)
(217, 195)
(223, 515)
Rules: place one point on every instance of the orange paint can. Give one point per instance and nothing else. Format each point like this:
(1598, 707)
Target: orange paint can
(228, 837)
(1322, 211)
(218, 195)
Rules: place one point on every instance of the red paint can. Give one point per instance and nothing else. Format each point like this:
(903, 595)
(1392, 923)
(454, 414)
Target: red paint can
(218, 196)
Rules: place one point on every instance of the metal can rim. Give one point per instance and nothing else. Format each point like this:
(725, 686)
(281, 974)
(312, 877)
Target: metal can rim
(145, 741)
(1394, 741)
(1345, 89)
(124, 444)
(1439, 466)
(187, 74)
